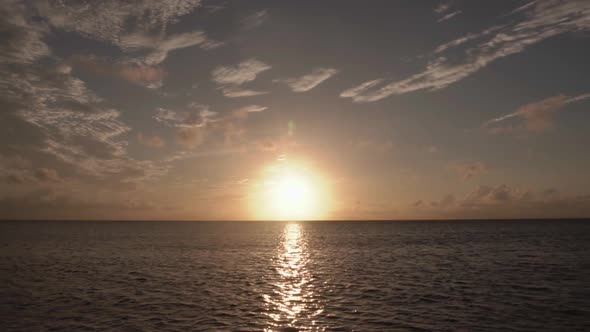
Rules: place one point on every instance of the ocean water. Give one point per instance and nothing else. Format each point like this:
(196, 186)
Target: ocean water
(295, 276)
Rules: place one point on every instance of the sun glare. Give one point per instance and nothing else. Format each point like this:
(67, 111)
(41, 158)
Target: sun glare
(291, 192)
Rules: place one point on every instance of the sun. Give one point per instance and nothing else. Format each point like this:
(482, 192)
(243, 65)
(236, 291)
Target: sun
(290, 191)
(292, 197)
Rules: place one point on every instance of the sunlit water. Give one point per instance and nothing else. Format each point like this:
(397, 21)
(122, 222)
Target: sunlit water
(295, 276)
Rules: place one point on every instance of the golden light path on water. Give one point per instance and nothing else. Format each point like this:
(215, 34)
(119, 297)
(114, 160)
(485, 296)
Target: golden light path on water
(293, 303)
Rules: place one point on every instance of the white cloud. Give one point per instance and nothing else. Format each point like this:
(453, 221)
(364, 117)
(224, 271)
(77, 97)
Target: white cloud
(255, 19)
(193, 127)
(243, 112)
(534, 117)
(161, 46)
(468, 170)
(543, 20)
(153, 141)
(111, 19)
(243, 72)
(21, 40)
(131, 26)
(504, 201)
(442, 7)
(235, 92)
(309, 81)
(196, 115)
(359, 90)
(148, 76)
(449, 16)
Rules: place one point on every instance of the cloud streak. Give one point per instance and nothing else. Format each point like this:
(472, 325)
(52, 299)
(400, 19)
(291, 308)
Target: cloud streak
(148, 76)
(160, 46)
(536, 117)
(245, 71)
(237, 92)
(194, 126)
(468, 170)
(543, 20)
(309, 81)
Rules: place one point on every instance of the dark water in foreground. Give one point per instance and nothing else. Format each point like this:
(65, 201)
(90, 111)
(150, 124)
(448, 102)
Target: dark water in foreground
(251, 276)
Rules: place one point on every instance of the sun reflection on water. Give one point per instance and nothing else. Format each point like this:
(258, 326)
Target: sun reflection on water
(293, 303)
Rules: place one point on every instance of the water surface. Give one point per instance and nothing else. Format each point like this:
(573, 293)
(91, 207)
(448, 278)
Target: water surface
(307, 276)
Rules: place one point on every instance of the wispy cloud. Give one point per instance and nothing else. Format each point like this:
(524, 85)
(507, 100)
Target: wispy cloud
(153, 141)
(504, 201)
(131, 26)
(148, 76)
(361, 89)
(193, 126)
(445, 11)
(243, 72)
(159, 46)
(236, 92)
(57, 113)
(195, 115)
(22, 41)
(442, 7)
(534, 117)
(449, 16)
(309, 81)
(468, 170)
(111, 19)
(255, 19)
(540, 21)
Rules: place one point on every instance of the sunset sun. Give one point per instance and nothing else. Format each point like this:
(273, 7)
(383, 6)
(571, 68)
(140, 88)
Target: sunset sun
(291, 192)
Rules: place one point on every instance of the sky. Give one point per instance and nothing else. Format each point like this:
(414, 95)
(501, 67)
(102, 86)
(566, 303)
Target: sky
(188, 109)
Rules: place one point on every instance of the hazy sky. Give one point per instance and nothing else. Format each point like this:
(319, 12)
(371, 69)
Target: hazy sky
(154, 109)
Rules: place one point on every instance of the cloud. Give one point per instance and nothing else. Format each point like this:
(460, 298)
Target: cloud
(132, 26)
(47, 175)
(53, 116)
(160, 46)
(255, 19)
(449, 16)
(111, 19)
(243, 112)
(446, 202)
(504, 201)
(536, 117)
(544, 19)
(243, 72)
(22, 40)
(154, 141)
(445, 11)
(468, 170)
(190, 137)
(467, 38)
(18, 170)
(267, 145)
(578, 98)
(236, 92)
(55, 203)
(195, 115)
(442, 7)
(432, 149)
(196, 124)
(309, 81)
(361, 89)
(147, 76)
(14, 169)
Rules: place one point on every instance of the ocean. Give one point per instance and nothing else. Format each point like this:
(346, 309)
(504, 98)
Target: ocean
(521, 275)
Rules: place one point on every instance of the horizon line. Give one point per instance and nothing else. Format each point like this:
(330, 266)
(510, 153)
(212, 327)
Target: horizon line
(304, 220)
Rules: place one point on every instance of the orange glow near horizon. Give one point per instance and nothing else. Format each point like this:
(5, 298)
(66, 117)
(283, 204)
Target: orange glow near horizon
(291, 191)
